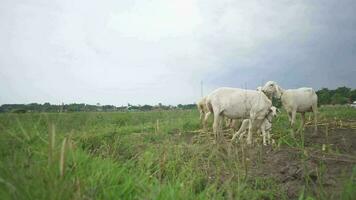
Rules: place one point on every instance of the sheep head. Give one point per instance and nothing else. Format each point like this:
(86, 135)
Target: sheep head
(272, 89)
(274, 111)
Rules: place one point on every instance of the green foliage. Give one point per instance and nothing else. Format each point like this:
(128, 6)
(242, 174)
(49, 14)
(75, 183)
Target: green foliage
(337, 98)
(81, 107)
(324, 96)
(131, 155)
(349, 189)
(341, 95)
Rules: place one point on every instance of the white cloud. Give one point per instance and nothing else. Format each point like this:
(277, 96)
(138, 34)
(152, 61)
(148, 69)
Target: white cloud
(154, 20)
(144, 51)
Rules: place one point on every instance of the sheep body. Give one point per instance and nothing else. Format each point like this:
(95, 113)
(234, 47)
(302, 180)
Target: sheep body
(236, 103)
(294, 101)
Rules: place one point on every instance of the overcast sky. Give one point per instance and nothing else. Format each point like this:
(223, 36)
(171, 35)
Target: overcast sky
(150, 51)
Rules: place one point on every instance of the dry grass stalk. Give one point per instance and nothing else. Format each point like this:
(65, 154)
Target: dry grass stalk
(62, 161)
(162, 164)
(244, 160)
(157, 126)
(327, 137)
(78, 189)
(51, 143)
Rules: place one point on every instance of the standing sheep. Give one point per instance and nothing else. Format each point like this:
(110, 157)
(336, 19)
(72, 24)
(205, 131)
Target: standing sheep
(294, 101)
(235, 103)
(203, 110)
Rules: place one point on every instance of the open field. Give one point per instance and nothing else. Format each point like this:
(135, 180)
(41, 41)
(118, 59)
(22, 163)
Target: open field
(165, 155)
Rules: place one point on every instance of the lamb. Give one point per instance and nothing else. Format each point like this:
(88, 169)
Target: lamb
(265, 128)
(299, 100)
(236, 103)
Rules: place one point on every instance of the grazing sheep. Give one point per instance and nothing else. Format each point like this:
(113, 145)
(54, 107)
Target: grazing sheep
(203, 110)
(235, 103)
(299, 100)
(205, 113)
(265, 128)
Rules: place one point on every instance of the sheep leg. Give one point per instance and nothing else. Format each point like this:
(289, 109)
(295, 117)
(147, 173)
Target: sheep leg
(289, 116)
(294, 113)
(249, 135)
(264, 134)
(233, 124)
(236, 134)
(301, 128)
(241, 131)
(315, 110)
(216, 125)
(254, 125)
(242, 134)
(221, 125)
(293, 121)
(268, 137)
(206, 119)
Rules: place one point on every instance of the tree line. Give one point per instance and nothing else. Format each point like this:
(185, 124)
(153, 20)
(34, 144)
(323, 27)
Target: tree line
(339, 96)
(81, 107)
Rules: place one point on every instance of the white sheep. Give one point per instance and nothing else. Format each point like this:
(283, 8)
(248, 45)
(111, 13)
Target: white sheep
(231, 123)
(205, 113)
(235, 103)
(203, 110)
(294, 101)
(265, 127)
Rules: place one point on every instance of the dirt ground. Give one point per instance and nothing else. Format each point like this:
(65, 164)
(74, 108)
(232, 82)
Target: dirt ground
(316, 166)
(324, 163)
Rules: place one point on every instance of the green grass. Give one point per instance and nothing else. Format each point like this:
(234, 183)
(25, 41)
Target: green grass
(125, 156)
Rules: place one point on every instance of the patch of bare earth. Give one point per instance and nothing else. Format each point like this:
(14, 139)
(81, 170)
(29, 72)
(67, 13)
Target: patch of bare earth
(321, 167)
(323, 164)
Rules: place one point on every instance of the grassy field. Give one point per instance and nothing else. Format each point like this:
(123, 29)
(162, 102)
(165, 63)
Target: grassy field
(164, 155)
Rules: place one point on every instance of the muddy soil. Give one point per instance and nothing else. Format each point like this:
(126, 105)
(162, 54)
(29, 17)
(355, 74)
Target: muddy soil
(323, 170)
(324, 163)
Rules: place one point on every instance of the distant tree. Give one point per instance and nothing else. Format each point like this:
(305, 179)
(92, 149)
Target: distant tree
(343, 91)
(187, 106)
(352, 95)
(19, 111)
(146, 108)
(133, 108)
(341, 95)
(337, 98)
(324, 96)
(108, 108)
